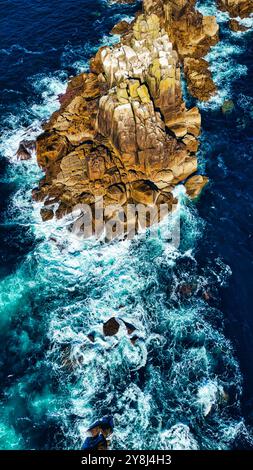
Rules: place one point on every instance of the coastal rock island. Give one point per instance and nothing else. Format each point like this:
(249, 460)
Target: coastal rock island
(123, 130)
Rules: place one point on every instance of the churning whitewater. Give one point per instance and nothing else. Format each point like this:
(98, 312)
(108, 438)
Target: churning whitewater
(174, 381)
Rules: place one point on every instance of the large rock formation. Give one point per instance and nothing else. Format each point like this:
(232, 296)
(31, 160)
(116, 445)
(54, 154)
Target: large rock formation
(123, 131)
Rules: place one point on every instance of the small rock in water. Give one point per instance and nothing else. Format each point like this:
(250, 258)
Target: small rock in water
(25, 149)
(111, 327)
(130, 328)
(134, 339)
(186, 290)
(227, 107)
(235, 26)
(46, 214)
(206, 295)
(91, 337)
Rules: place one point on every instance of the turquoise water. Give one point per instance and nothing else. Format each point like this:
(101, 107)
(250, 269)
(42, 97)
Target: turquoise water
(180, 385)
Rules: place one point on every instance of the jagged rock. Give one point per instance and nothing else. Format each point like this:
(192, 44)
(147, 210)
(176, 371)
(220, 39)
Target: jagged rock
(46, 214)
(96, 64)
(25, 149)
(134, 339)
(130, 328)
(236, 26)
(199, 79)
(91, 337)
(194, 185)
(192, 34)
(123, 131)
(50, 147)
(121, 28)
(242, 8)
(111, 327)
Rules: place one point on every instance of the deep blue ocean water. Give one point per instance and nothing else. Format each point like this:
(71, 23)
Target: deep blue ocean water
(188, 381)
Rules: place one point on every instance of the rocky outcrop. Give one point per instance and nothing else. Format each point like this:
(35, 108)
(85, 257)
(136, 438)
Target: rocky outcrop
(192, 35)
(242, 8)
(122, 27)
(123, 131)
(195, 184)
(235, 26)
(199, 78)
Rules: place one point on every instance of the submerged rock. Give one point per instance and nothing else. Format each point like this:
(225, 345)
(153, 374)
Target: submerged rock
(186, 290)
(228, 106)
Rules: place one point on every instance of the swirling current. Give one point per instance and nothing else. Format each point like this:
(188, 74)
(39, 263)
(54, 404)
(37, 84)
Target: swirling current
(187, 382)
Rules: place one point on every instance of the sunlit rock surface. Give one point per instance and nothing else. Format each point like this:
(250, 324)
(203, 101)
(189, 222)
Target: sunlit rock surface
(123, 131)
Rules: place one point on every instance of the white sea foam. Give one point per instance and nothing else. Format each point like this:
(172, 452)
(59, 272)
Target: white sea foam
(17, 47)
(178, 437)
(209, 395)
(223, 57)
